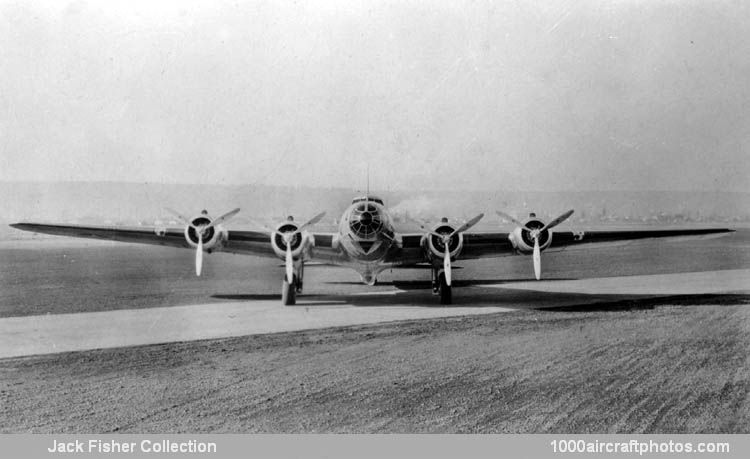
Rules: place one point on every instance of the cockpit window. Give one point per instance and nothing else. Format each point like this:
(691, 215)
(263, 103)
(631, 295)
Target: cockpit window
(368, 207)
(368, 198)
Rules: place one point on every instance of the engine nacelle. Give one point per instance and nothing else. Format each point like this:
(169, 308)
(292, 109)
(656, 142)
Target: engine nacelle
(435, 247)
(298, 243)
(521, 236)
(212, 237)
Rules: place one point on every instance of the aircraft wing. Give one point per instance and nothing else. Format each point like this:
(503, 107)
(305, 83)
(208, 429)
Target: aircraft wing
(476, 245)
(409, 252)
(259, 243)
(572, 240)
(488, 245)
(171, 237)
(240, 242)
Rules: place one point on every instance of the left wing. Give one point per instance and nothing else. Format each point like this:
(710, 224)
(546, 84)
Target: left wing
(171, 237)
(241, 242)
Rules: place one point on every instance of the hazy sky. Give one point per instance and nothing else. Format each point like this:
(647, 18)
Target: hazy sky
(563, 95)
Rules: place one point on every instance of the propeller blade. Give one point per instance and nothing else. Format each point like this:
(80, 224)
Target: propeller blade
(467, 225)
(508, 217)
(199, 253)
(557, 221)
(289, 261)
(312, 221)
(178, 215)
(537, 259)
(223, 218)
(447, 265)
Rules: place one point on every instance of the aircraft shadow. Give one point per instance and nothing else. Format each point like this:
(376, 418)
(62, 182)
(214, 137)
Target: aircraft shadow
(650, 302)
(493, 297)
(253, 296)
(426, 284)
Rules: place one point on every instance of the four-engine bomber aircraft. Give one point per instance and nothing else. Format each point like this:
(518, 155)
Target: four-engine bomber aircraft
(365, 241)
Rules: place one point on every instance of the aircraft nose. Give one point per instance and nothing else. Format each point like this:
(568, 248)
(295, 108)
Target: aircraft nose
(365, 222)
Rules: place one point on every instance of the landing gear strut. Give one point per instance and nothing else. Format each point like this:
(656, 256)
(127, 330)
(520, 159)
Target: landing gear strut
(288, 292)
(441, 287)
(300, 275)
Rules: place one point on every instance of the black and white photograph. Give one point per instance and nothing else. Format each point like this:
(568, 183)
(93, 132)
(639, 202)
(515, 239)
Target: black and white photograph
(374, 217)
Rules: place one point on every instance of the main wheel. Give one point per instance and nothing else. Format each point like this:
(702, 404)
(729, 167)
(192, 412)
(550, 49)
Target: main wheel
(446, 296)
(288, 296)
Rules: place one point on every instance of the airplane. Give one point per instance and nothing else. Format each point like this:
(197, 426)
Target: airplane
(366, 241)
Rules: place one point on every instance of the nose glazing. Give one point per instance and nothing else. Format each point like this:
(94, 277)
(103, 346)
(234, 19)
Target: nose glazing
(365, 218)
(365, 221)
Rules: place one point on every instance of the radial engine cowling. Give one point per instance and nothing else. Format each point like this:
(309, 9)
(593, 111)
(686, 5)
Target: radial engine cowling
(435, 246)
(522, 238)
(279, 243)
(211, 236)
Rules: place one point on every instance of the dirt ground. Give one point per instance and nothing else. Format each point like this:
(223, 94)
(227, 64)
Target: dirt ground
(677, 365)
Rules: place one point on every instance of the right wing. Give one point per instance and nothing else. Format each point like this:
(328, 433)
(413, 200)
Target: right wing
(573, 240)
(492, 244)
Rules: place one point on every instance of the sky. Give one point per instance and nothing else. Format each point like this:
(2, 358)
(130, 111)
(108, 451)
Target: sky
(462, 95)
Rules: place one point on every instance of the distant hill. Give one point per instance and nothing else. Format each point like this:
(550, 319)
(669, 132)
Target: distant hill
(139, 203)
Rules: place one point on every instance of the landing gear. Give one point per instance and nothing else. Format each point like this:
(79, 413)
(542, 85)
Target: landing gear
(441, 287)
(299, 276)
(446, 296)
(288, 292)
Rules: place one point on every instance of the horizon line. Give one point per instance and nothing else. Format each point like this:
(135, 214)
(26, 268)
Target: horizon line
(355, 190)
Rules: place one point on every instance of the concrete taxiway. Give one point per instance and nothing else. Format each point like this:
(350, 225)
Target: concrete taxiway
(727, 281)
(31, 335)
(20, 336)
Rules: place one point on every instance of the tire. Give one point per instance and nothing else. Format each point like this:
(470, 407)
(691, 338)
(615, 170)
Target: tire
(288, 297)
(446, 295)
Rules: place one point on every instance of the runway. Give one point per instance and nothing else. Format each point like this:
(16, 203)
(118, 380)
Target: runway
(55, 333)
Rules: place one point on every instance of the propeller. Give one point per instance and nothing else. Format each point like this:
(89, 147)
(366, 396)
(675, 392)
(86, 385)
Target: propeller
(537, 257)
(557, 221)
(535, 234)
(199, 254)
(288, 236)
(508, 217)
(179, 216)
(223, 218)
(199, 230)
(446, 238)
